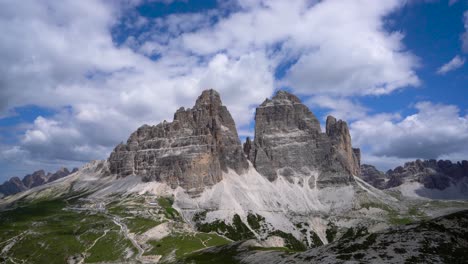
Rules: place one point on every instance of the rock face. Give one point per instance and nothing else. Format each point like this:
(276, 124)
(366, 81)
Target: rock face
(289, 142)
(191, 152)
(433, 174)
(37, 178)
(373, 176)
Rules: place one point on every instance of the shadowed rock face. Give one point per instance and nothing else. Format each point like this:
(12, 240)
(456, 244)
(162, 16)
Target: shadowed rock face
(191, 152)
(289, 142)
(373, 176)
(37, 178)
(433, 174)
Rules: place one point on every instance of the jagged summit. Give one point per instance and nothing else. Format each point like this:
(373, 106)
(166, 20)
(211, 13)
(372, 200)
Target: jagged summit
(282, 97)
(210, 97)
(191, 152)
(431, 174)
(289, 142)
(202, 142)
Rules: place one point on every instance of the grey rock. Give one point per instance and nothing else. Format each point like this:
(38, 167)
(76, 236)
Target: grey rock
(62, 172)
(373, 176)
(37, 178)
(191, 152)
(12, 186)
(289, 142)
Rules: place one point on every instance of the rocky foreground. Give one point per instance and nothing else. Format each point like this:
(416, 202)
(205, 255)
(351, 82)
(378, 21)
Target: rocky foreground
(441, 240)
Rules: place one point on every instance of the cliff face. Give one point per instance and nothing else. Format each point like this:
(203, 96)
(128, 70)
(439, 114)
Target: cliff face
(191, 152)
(289, 142)
(373, 176)
(202, 142)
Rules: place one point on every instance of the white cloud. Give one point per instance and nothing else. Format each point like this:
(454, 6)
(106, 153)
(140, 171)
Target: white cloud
(340, 47)
(434, 131)
(452, 65)
(62, 55)
(342, 108)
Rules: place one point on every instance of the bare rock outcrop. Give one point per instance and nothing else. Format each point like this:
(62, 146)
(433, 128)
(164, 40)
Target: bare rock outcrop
(191, 152)
(289, 142)
(373, 176)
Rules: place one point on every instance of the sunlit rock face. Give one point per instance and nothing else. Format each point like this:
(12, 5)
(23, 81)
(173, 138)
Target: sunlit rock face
(290, 143)
(191, 152)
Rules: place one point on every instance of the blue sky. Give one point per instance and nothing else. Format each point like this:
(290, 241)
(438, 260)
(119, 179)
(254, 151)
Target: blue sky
(78, 77)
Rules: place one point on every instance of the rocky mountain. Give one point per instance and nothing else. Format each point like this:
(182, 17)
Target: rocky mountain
(178, 187)
(289, 142)
(37, 178)
(201, 143)
(192, 151)
(431, 174)
(373, 176)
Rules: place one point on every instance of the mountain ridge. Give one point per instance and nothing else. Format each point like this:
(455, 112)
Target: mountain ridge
(15, 184)
(436, 175)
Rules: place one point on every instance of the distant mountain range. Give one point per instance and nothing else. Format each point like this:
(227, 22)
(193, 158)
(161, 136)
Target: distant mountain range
(442, 178)
(37, 178)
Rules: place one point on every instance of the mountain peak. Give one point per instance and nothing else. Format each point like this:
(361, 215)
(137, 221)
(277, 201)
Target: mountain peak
(191, 152)
(281, 97)
(284, 95)
(210, 97)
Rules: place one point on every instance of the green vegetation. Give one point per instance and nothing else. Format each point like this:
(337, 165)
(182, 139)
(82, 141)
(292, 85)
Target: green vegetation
(290, 241)
(353, 233)
(353, 247)
(46, 233)
(398, 218)
(316, 240)
(140, 225)
(331, 232)
(169, 211)
(182, 244)
(255, 221)
(285, 249)
(237, 231)
(226, 256)
(109, 248)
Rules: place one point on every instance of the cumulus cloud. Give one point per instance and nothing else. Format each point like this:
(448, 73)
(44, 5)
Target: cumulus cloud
(434, 131)
(452, 65)
(335, 47)
(342, 108)
(105, 69)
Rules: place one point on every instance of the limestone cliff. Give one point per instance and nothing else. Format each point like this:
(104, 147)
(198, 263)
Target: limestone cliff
(191, 152)
(289, 142)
